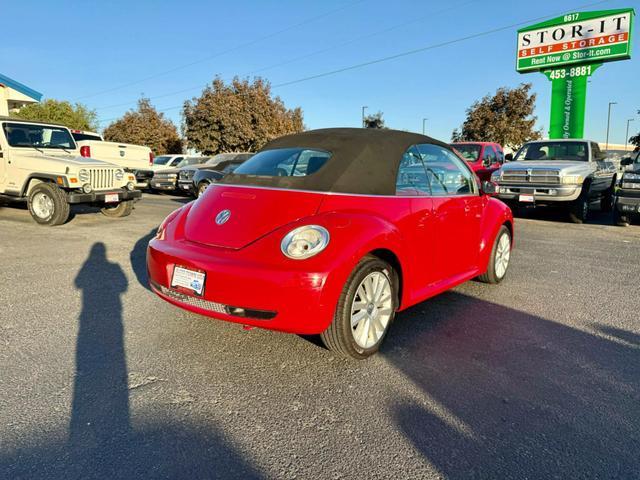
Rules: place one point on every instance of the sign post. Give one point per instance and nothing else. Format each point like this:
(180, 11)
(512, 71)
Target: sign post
(568, 50)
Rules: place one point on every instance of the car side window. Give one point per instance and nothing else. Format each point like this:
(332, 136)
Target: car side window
(500, 156)
(447, 174)
(412, 177)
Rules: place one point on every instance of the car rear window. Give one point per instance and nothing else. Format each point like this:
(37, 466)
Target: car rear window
(284, 162)
(79, 137)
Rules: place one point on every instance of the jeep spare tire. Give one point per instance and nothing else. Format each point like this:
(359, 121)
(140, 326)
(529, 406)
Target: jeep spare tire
(48, 204)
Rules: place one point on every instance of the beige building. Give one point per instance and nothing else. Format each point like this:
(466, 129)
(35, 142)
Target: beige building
(14, 95)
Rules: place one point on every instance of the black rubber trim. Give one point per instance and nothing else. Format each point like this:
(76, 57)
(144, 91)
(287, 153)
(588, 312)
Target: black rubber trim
(98, 197)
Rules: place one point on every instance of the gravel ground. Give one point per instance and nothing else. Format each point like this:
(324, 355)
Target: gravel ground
(538, 377)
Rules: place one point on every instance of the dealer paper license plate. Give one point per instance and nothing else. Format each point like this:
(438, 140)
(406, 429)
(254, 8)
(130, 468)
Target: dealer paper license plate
(526, 198)
(111, 198)
(183, 277)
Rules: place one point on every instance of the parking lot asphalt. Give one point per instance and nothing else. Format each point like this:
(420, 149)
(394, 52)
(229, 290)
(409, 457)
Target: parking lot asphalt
(538, 377)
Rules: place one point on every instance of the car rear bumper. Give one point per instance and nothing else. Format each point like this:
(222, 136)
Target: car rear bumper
(99, 197)
(541, 193)
(292, 301)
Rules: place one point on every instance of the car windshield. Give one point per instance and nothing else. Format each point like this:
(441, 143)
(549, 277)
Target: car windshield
(576, 151)
(469, 151)
(162, 160)
(38, 136)
(284, 162)
(191, 161)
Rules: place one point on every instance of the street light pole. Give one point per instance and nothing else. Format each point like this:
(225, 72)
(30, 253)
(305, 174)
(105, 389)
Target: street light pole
(363, 109)
(626, 137)
(423, 127)
(609, 123)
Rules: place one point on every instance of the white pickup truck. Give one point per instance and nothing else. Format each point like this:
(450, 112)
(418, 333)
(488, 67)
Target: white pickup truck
(567, 172)
(41, 163)
(136, 159)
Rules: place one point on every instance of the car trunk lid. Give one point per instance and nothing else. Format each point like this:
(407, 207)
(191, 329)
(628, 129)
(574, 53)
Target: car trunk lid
(253, 213)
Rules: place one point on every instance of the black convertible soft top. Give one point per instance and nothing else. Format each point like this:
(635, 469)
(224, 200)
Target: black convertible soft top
(363, 161)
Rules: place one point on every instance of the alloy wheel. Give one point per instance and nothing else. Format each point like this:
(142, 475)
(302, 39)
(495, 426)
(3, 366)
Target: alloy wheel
(503, 255)
(371, 309)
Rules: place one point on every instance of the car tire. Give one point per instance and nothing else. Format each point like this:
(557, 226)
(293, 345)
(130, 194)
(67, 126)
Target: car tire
(620, 220)
(362, 339)
(579, 209)
(606, 201)
(202, 187)
(123, 209)
(48, 204)
(499, 258)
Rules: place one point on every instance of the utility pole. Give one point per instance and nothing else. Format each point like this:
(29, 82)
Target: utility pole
(626, 137)
(424, 120)
(609, 123)
(363, 109)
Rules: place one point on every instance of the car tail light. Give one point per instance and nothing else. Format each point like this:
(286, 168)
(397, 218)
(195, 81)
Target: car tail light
(85, 151)
(150, 158)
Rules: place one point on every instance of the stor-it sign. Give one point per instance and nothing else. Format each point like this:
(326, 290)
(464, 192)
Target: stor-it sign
(585, 37)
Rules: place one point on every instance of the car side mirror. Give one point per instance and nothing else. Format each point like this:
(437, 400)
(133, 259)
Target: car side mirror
(626, 161)
(489, 188)
(508, 157)
(486, 162)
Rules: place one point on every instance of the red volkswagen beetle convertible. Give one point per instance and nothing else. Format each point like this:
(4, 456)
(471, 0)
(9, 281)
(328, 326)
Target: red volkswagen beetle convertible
(332, 232)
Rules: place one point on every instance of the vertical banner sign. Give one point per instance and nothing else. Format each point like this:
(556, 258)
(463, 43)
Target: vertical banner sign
(568, 100)
(568, 50)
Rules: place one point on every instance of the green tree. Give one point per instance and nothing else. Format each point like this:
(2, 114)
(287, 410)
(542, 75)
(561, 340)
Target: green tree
(506, 118)
(635, 140)
(146, 126)
(76, 116)
(241, 116)
(374, 120)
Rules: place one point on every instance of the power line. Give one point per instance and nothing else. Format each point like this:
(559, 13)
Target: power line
(305, 56)
(406, 53)
(224, 52)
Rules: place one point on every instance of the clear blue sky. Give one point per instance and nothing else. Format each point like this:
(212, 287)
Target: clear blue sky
(77, 49)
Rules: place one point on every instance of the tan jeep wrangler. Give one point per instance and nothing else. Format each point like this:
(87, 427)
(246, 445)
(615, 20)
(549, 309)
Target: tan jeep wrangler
(41, 162)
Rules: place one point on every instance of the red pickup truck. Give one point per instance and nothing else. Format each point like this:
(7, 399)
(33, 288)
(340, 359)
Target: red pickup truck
(484, 158)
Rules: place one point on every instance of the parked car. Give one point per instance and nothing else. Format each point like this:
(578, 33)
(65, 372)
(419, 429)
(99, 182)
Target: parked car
(41, 163)
(324, 232)
(566, 172)
(166, 179)
(627, 198)
(205, 177)
(136, 159)
(214, 164)
(163, 162)
(484, 158)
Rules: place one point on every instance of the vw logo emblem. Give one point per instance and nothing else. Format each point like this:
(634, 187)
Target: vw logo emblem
(222, 217)
(122, 153)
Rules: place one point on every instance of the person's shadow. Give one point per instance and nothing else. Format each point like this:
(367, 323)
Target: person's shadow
(100, 404)
(102, 441)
